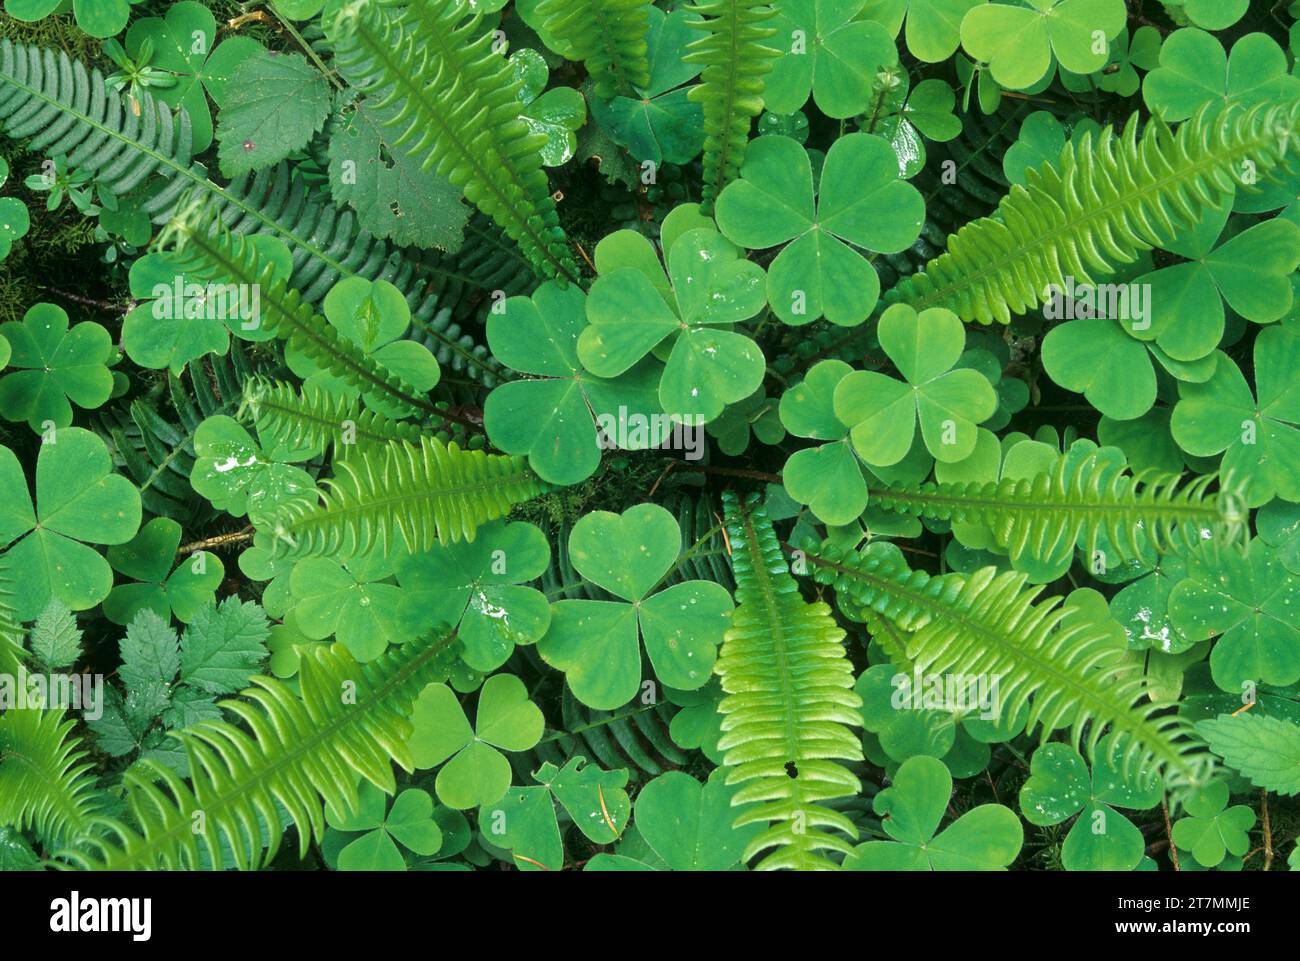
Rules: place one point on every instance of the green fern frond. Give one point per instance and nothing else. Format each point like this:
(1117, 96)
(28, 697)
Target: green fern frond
(222, 257)
(1082, 499)
(1098, 206)
(45, 780)
(789, 705)
(1066, 673)
(349, 722)
(317, 419)
(406, 495)
(11, 629)
(449, 100)
(609, 36)
(736, 63)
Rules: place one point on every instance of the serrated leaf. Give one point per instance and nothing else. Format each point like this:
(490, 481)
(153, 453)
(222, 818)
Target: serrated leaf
(223, 646)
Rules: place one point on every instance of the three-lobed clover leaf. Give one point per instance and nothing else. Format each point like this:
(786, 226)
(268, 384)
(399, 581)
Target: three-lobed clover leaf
(476, 772)
(634, 307)
(556, 114)
(1060, 786)
(1212, 830)
(1194, 71)
(524, 821)
(373, 315)
(233, 471)
(662, 124)
(883, 412)
(149, 558)
(1251, 600)
(827, 478)
(757, 413)
(1096, 357)
(177, 320)
(52, 367)
(182, 43)
(553, 417)
(1127, 56)
(1019, 42)
(825, 52)
(986, 838)
(860, 201)
(376, 829)
(933, 26)
(689, 825)
(477, 587)
(354, 602)
(79, 501)
(595, 643)
(1259, 438)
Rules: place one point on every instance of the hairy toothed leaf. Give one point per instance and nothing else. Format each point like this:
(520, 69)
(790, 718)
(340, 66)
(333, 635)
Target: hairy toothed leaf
(55, 639)
(223, 645)
(275, 103)
(1264, 749)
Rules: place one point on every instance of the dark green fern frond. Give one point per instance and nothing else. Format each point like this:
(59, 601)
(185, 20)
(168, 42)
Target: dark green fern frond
(736, 63)
(609, 36)
(406, 495)
(222, 257)
(990, 624)
(789, 705)
(299, 751)
(1082, 501)
(449, 100)
(46, 783)
(1098, 206)
(68, 111)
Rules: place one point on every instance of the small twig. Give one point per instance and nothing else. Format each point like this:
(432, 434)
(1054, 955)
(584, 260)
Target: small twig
(732, 472)
(89, 301)
(217, 541)
(1268, 829)
(1169, 833)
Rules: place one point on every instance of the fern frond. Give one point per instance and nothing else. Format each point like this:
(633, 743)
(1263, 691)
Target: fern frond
(406, 495)
(1098, 206)
(222, 257)
(1081, 499)
(736, 63)
(11, 629)
(789, 705)
(298, 752)
(317, 419)
(448, 99)
(991, 624)
(608, 36)
(45, 780)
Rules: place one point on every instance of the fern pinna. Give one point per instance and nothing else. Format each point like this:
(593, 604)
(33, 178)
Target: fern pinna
(789, 706)
(448, 97)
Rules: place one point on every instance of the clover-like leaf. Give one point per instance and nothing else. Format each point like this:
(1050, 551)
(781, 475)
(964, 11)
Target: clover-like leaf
(933, 26)
(79, 501)
(690, 825)
(354, 602)
(476, 772)
(1097, 358)
(861, 201)
(14, 223)
(1194, 71)
(553, 416)
(1251, 600)
(633, 309)
(827, 478)
(182, 43)
(374, 315)
(1060, 786)
(149, 558)
(1212, 830)
(233, 472)
(1259, 438)
(53, 367)
(477, 587)
(1019, 42)
(377, 829)
(883, 412)
(596, 644)
(986, 838)
(827, 52)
